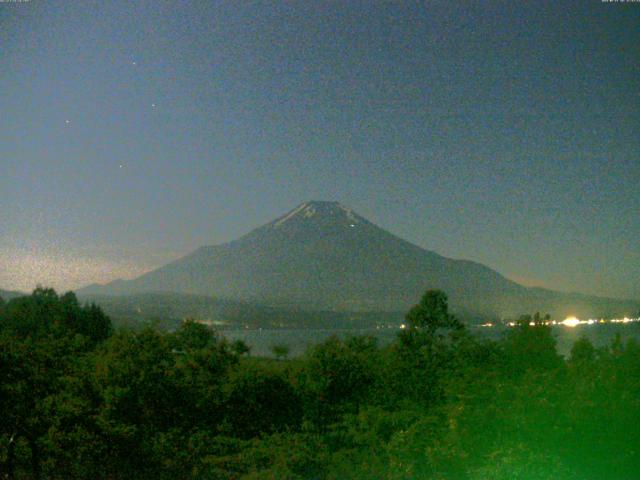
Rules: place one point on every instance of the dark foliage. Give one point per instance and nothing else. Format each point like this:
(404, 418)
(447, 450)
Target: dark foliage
(79, 401)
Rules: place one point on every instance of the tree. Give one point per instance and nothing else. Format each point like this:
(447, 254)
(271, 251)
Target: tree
(426, 318)
(432, 313)
(582, 351)
(531, 345)
(260, 400)
(192, 335)
(240, 348)
(43, 313)
(280, 351)
(336, 377)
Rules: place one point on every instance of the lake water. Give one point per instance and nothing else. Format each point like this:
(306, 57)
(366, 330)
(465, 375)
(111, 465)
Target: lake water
(298, 340)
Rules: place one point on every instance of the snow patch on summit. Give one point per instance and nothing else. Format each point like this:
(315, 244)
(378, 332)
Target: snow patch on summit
(290, 215)
(308, 210)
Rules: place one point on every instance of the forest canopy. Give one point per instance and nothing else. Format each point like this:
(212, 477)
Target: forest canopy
(82, 400)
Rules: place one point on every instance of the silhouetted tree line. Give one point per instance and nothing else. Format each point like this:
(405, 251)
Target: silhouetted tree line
(78, 400)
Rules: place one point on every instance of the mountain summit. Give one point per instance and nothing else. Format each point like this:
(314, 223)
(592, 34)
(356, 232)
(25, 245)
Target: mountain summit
(320, 212)
(324, 256)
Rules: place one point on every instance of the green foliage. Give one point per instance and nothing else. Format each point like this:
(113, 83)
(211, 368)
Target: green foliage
(531, 345)
(240, 348)
(583, 352)
(438, 403)
(335, 377)
(280, 351)
(192, 335)
(260, 400)
(43, 313)
(432, 313)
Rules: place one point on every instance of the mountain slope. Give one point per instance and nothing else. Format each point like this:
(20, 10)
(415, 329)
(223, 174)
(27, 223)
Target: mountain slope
(323, 256)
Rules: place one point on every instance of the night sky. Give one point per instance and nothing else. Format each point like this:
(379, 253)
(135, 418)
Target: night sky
(132, 132)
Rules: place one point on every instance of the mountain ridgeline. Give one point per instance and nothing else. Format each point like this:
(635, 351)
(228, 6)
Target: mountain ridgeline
(322, 256)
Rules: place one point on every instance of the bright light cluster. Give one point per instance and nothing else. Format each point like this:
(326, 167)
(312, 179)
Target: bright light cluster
(573, 322)
(570, 322)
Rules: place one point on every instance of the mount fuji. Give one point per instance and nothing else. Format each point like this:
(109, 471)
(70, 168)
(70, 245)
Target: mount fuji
(322, 256)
